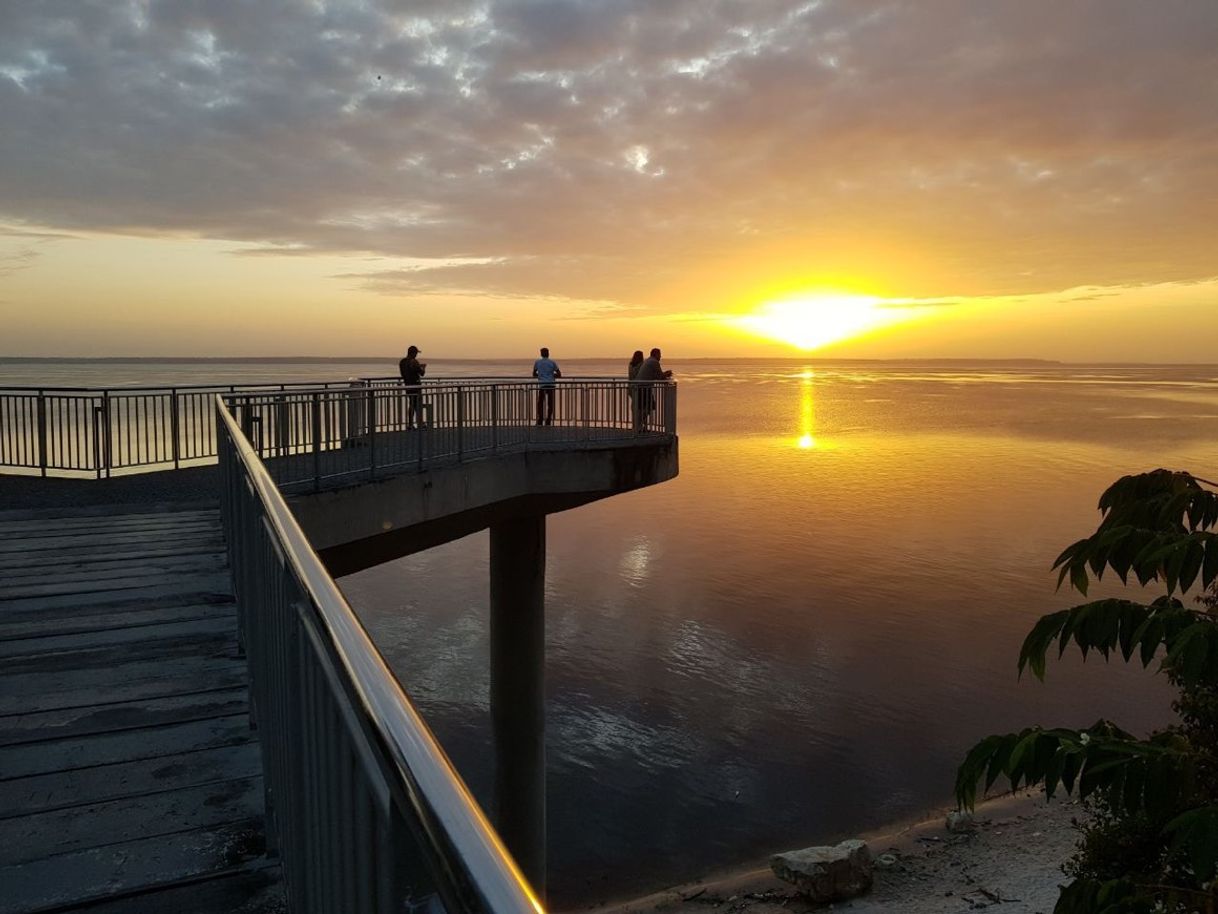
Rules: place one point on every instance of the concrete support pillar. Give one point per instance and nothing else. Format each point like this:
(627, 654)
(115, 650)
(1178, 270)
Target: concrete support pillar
(518, 575)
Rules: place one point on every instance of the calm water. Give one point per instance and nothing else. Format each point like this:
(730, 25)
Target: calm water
(798, 638)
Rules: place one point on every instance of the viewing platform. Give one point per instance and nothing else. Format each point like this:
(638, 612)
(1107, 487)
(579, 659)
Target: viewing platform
(192, 716)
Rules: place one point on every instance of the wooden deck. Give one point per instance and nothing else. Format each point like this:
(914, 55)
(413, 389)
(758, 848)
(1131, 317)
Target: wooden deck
(129, 777)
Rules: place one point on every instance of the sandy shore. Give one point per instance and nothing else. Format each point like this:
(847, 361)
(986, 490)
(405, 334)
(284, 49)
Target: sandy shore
(1013, 859)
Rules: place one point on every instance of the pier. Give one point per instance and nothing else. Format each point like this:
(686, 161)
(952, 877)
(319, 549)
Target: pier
(192, 716)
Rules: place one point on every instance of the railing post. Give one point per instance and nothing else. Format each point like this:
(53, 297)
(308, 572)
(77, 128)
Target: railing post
(247, 418)
(315, 422)
(670, 409)
(583, 409)
(420, 437)
(283, 428)
(460, 422)
(42, 432)
(97, 440)
(494, 417)
(106, 431)
(173, 423)
(371, 420)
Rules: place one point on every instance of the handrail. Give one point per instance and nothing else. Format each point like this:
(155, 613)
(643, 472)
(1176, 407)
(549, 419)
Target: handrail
(280, 385)
(472, 870)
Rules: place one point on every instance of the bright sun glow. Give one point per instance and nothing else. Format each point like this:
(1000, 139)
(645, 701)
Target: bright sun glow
(812, 321)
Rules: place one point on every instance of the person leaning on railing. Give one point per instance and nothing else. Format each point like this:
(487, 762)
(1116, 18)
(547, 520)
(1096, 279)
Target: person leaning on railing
(635, 391)
(412, 376)
(648, 374)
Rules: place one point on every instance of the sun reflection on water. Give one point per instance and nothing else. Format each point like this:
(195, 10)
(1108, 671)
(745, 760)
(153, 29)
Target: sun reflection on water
(807, 410)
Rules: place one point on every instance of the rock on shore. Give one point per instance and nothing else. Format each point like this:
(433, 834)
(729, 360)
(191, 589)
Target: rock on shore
(1009, 855)
(825, 874)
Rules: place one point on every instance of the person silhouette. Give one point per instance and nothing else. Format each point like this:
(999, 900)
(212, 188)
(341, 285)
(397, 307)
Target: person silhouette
(635, 391)
(546, 371)
(412, 371)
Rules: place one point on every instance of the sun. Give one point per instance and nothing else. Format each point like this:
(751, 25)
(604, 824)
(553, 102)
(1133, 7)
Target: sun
(811, 321)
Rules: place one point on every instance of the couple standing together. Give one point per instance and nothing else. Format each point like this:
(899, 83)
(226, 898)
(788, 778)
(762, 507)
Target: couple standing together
(647, 371)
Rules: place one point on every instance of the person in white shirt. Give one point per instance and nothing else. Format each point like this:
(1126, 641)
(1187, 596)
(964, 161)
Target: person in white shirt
(546, 371)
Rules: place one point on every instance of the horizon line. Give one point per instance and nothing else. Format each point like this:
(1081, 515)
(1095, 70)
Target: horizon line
(380, 359)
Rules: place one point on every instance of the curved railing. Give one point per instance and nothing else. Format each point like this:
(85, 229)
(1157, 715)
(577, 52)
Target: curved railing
(365, 810)
(313, 437)
(91, 431)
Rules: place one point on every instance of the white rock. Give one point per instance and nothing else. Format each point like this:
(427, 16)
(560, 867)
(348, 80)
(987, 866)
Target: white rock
(960, 820)
(826, 873)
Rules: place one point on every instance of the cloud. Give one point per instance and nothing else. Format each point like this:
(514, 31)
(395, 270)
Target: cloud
(610, 150)
(11, 262)
(7, 231)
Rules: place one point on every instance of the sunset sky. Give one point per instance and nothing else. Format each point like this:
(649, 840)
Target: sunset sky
(931, 178)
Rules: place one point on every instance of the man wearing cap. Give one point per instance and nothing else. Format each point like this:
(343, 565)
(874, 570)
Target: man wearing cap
(412, 376)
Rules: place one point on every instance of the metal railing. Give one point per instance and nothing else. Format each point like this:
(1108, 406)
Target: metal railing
(315, 437)
(73, 431)
(365, 810)
(76, 430)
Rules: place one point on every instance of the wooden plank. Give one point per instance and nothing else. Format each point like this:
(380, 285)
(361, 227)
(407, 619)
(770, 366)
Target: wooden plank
(100, 557)
(111, 717)
(195, 586)
(43, 834)
(54, 585)
(104, 526)
(116, 508)
(165, 556)
(118, 544)
(165, 650)
(258, 891)
(116, 523)
(61, 789)
(95, 621)
(193, 629)
(206, 562)
(36, 613)
(131, 866)
(110, 521)
(122, 682)
(127, 745)
(100, 538)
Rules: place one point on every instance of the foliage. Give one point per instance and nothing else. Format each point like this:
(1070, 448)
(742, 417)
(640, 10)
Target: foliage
(1151, 841)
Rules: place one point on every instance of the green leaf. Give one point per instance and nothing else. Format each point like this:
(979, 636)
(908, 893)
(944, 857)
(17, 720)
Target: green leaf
(1037, 643)
(1055, 767)
(1078, 577)
(1195, 834)
(1193, 651)
(1194, 555)
(1016, 765)
(1209, 567)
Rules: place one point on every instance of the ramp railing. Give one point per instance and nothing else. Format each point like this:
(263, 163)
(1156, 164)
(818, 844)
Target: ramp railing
(364, 809)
